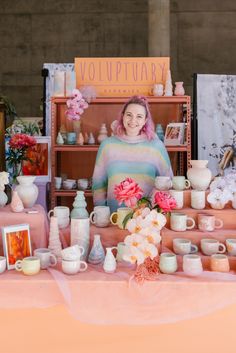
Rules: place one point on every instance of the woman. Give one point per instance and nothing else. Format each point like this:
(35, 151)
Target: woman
(134, 151)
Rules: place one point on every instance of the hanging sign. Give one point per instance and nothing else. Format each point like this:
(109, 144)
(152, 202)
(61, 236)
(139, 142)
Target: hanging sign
(121, 76)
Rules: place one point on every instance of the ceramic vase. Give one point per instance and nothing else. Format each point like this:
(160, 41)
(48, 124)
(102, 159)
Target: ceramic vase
(80, 234)
(199, 175)
(27, 190)
(168, 85)
(91, 139)
(179, 89)
(109, 264)
(158, 90)
(97, 254)
(3, 198)
(16, 203)
(59, 140)
(79, 210)
(80, 139)
(54, 237)
(102, 133)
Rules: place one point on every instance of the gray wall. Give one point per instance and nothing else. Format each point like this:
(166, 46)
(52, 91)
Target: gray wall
(202, 37)
(33, 32)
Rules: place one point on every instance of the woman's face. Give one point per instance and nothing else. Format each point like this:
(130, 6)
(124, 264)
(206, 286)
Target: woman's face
(134, 119)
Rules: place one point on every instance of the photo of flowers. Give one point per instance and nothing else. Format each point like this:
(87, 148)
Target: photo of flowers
(16, 243)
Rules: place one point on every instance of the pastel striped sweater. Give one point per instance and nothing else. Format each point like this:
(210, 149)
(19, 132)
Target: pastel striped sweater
(122, 157)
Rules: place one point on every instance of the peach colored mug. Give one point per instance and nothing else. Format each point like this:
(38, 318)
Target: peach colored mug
(208, 223)
(220, 263)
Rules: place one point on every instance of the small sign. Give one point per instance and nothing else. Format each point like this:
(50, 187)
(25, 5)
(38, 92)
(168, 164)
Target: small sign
(115, 77)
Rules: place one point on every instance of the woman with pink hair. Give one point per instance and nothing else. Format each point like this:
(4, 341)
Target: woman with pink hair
(134, 151)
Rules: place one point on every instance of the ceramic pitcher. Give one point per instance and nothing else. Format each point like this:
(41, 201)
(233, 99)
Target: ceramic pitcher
(199, 175)
(109, 264)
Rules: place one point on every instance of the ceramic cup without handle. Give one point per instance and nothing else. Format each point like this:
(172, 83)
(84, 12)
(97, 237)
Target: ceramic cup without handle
(73, 252)
(198, 199)
(71, 138)
(231, 246)
(178, 195)
(168, 263)
(29, 265)
(163, 183)
(212, 246)
(58, 182)
(100, 216)
(46, 258)
(184, 246)
(192, 265)
(180, 183)
(71, 267)
(220, 263)
(63, 215)
(208, 223)
(179, 221)
(118, 217)
(3, 264)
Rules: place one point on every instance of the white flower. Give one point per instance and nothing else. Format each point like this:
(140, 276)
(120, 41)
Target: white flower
(134, 240)
(218, 195)
(133, 225)
(151, 234)
(143, 212)
(148, 250)
(133, 254)
(218, 183)
(154, 219)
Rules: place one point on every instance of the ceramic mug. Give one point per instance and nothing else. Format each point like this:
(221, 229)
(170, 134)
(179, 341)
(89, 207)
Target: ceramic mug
(3, 264)
(178, 195)
(180, 183)
(118, 217)
(100, 216)
(73, 252)
(63, 215)
(58, 182)
(220, 263)
(184, 246)
(178, 222)
(231, 246)
(168, 263)
(69, 184)
(192, 265)
(198, 199)
(29, 265)
(71, 138)
(46, 258)
(163, 182)
(212, 246)
(82, 184)
(71, 267)
(208, 223)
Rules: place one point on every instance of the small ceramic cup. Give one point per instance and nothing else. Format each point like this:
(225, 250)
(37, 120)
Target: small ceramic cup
(29, 265)
(71, 267)
(178, 195)
(71, 138)
(212, 246)
(118, 217)
(231, 246)
(46, 258)
(163, 183)
(100, 216)
(198, 199)
(192, 265)
(58, 182)
(82, 184)
(220, 263)
(63, 215)
(168, 263)
(73, 252)
(184, 246)
(208, 223)
(178, 222)
(180, 183)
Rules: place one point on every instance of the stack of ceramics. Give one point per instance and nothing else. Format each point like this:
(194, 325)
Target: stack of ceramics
(54, 237)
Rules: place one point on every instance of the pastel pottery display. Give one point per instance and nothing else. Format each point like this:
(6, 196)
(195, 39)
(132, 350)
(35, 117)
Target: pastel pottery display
(3, 198)
(199, 175)
(59, 140)
(27, 190)
(158, 90)
(97, 254)
(16, 203)
(109, 264)
(79, 210)
(91, 139)
(80, 139)
(102, 133)
(168, 85)
(179, 89)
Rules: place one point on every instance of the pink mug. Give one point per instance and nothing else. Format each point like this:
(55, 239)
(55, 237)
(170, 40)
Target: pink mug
(208, 223)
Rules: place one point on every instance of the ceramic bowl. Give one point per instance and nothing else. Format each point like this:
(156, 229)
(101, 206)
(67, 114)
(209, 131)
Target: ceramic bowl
(82, 184)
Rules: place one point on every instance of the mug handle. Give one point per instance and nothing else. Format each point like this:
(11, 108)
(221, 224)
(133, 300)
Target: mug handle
(187, 184)
(82, 250)
(18, 265)
(194, 248)
(49, 213)
(85, 266)
(193, 223)
(54, 260)
(92, 217)
(223, 248)
(220, 223)
(111, 218)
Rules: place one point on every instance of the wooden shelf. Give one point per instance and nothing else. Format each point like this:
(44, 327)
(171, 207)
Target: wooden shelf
(115, 100)
(90, 148)
(61, 193)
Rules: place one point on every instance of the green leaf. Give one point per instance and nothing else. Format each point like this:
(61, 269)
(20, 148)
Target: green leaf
(127, 218)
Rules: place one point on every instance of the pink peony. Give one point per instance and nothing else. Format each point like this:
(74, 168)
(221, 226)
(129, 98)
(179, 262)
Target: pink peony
(129, 192)
(21, 141)
(164, 201)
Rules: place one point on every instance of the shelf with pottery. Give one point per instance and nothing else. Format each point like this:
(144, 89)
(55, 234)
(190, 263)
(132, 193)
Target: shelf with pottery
(72, 193)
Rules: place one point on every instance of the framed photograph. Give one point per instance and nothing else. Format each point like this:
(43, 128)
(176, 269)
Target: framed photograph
(39, 160)
(174, 134)
(16, 243)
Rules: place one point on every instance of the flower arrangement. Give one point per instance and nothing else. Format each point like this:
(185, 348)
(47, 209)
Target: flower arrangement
(4, 180)
(18, 146)
(222, 190)
(144, 221)
(76, 105)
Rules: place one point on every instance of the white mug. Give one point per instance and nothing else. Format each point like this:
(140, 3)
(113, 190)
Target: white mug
(73, 252)
(184, 246)
(46, 257)
(178, 195)
(178, 222)
(198, 199)
(58, 182)
(71, 267)
(168, 263)
(212, 246)
(180, 183)
(163, 183)
(192, 265)
(63, 215)
(100, 216)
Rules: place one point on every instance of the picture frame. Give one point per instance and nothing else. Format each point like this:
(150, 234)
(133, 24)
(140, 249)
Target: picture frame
(39, 163)
(174, 134)
(16, 243)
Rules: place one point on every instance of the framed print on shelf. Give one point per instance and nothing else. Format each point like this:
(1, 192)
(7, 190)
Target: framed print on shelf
(38, 162)
(16, 243)
(174, 134)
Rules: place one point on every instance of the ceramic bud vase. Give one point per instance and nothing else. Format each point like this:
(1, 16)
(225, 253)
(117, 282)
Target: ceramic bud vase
(179, 89)
(59, 139)
(27, 190)
(102, 133)
(16, 203)
(199, 175)
(91, 139)
(109, 264)
(97, 254)
(3, 198)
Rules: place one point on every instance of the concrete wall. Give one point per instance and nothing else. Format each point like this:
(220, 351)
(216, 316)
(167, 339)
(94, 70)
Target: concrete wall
(33, 32)
(202, 37)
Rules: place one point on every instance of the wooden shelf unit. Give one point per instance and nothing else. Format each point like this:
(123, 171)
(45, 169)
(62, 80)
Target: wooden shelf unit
(80, 164)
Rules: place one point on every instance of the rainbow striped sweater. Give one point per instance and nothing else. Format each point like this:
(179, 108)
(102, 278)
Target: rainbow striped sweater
(122, 157)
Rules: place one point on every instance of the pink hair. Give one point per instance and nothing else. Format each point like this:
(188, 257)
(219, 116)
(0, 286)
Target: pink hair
(148, 128)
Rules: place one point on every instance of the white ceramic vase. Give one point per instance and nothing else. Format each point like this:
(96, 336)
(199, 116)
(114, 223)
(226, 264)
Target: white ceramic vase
(3, 198)
(109, 264)
(199, 175)
(27, 190)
